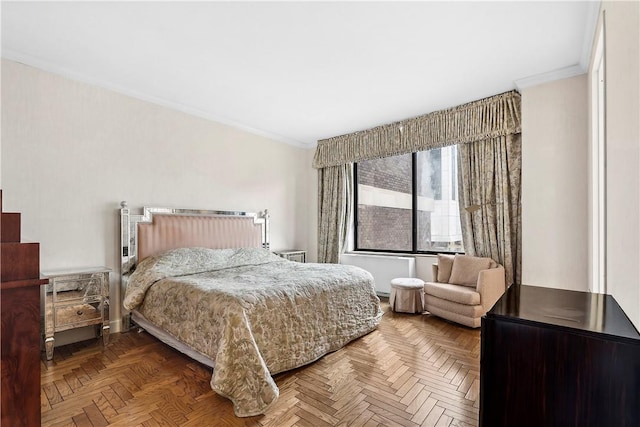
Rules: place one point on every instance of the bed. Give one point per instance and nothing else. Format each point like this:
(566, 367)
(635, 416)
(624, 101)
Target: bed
(206, 283)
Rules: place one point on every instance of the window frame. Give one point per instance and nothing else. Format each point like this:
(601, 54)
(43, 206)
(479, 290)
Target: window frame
(414, 216)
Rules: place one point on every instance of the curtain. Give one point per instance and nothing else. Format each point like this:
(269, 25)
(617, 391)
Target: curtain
(486, 118)
(489, 174)
(335, 201)
(488, 134)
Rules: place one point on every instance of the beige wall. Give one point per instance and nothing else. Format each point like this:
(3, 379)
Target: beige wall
(622, 86)
(71, 152)
(312, 208)
(554, 184)
(555, 171)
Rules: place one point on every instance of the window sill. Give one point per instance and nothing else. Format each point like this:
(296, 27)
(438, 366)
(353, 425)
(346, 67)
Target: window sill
(401, 254)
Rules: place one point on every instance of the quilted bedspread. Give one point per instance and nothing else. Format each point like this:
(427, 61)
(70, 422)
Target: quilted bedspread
(255, 314)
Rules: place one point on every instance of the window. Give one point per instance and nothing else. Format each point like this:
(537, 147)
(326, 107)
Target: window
(408, 203)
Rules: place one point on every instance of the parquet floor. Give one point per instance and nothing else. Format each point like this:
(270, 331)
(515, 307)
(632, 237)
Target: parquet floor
(414, 370)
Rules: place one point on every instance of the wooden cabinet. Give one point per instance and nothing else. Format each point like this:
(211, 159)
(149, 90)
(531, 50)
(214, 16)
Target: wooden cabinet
(20, 331)
(292, 255)
(552, 357)
(74, 299)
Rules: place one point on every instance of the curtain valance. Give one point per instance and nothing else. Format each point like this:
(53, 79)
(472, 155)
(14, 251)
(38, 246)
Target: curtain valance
(478, 120)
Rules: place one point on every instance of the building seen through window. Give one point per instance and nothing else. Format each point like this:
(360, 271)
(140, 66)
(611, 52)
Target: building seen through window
(409, 203)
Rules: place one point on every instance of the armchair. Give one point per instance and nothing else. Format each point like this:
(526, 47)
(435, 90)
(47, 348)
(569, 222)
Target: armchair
(464, 288)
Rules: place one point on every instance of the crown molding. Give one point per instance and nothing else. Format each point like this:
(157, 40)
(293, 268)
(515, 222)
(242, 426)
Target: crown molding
(562, 73)
(593, 13)
(63, 72)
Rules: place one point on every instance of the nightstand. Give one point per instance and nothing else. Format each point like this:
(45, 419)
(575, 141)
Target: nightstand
(74, 299)
(292, 255)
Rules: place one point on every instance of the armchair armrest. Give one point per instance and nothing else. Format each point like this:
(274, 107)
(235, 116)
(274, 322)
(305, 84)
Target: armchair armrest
(434, 272)
(491, 286)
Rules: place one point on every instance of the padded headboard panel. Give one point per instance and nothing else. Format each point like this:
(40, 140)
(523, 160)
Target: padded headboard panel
(160, 229)
(184, 231)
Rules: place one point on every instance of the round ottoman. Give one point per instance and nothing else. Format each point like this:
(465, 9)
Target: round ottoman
(407, 295)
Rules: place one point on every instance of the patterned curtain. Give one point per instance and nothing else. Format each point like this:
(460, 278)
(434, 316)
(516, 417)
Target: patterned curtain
(335, 201)
(486, 118)
(489, 197)
(487, 132)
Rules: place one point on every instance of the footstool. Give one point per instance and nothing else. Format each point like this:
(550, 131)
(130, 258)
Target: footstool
(407, 295)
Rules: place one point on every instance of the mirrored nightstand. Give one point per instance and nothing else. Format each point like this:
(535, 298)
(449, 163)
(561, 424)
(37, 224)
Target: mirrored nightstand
(292, 254)
(74, 299)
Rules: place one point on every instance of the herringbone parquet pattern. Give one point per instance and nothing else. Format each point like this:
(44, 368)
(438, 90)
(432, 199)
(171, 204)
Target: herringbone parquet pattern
(414, 370)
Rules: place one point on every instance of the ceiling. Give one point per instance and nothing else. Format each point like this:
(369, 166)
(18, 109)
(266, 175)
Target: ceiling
(298, 72)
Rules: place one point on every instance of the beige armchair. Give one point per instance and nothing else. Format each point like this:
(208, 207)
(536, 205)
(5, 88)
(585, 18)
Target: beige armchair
(464, 288)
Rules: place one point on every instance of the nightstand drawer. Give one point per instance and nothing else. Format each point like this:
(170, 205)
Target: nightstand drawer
(67, 297)
(77, 315)
(75, 286)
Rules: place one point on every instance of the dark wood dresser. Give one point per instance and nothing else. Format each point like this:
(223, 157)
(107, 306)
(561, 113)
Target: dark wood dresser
(20, 329)
(552, 357)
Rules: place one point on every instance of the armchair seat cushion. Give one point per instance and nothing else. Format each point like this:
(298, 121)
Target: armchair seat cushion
(473, 311)
(462, 295)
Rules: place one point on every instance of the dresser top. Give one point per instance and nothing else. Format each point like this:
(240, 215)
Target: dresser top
(72, 271)
(584, 311)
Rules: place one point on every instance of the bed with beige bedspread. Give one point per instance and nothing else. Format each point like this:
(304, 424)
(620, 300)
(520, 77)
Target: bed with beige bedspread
(255, 314)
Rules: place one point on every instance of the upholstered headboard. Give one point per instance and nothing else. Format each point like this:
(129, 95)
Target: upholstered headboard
(160, 229)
